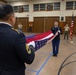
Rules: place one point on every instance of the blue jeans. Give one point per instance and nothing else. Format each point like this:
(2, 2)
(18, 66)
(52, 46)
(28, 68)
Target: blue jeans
(55, 45)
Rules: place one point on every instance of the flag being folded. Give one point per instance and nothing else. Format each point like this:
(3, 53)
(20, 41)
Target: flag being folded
(39, 40)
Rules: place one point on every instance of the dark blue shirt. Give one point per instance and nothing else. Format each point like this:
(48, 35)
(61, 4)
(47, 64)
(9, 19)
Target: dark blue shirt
(13, 51)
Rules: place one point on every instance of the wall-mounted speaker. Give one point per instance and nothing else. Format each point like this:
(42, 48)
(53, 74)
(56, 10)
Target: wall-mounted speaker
(62, 18)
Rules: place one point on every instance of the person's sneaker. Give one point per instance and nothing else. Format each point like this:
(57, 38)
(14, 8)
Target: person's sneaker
(55, 55)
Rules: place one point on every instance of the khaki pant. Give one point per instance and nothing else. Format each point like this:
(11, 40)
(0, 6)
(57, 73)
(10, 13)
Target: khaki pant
(66, 35)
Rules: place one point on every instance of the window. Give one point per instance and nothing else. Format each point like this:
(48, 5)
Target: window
(57, 6)
(49, 6)
(69, 5)
(42, 7)
(15, 8)
(36, 7)
(75, 5)
(26, 8)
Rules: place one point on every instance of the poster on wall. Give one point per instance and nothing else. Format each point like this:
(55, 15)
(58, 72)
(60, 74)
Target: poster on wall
(49, 7)
(20, 8)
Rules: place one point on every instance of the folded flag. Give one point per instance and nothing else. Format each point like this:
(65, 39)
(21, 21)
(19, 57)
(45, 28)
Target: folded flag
(39, 40)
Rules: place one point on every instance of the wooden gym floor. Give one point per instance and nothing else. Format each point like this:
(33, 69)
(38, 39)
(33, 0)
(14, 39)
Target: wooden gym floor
(46, 64)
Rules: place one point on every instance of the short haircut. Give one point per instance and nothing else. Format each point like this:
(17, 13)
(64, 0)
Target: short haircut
(55, 21)
(5, 11)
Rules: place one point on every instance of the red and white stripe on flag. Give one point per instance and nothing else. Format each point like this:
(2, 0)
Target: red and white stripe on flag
(39, 37)
(71, 27)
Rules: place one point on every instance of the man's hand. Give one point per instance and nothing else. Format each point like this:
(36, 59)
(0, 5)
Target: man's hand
(59, 31)
(31, 47)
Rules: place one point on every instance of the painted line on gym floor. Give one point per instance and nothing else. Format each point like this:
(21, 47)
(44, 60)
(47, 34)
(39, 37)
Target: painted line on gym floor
(31, 70)
(43, 64)
(35, 70)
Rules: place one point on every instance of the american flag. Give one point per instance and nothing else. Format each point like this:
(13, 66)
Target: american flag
(39, 40)
(71, 27)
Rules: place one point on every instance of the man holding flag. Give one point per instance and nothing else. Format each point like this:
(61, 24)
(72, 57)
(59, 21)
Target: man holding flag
(14, 52)
(56, 41)
(39, 40)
